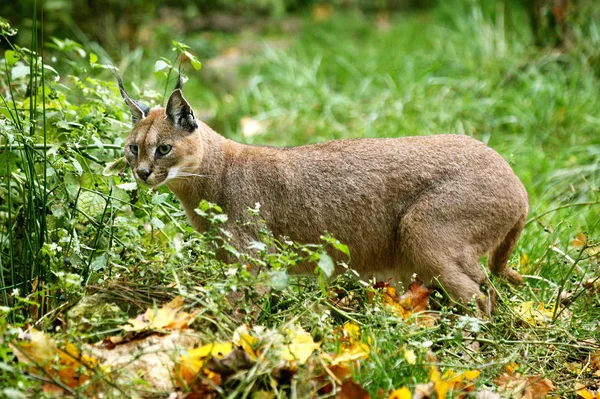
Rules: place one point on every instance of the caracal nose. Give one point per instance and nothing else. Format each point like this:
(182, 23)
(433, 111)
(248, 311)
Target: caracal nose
(143, 173)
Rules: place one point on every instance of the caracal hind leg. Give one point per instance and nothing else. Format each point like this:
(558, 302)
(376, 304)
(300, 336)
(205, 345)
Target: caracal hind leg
(445, 248)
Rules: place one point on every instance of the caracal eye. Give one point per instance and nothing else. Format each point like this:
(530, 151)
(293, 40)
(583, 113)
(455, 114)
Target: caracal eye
(133, 148)
(164, 149)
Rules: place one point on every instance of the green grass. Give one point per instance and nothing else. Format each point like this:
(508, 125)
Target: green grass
(468, 69)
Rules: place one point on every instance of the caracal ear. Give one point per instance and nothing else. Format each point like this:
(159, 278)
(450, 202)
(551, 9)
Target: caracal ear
(179, 112)
(138, 110)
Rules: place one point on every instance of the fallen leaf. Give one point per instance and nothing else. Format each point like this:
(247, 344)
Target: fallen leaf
(351, 390)
(300, 346)
(168, 318)
(487, 395)
(441, 387)
(523, 387)
(414, 300)
(595, 363)
(533, 315)
(410, 356)
(584, 392)
(351, 353)
(242, 338)
(192, 373)
(68, 367)
(401, 393)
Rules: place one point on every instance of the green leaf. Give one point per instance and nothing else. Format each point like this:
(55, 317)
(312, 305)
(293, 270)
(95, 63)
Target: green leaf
(157, 223)
(19, 71)
(160, 65)
(326, 264)
(337, 245)
(127, 186)
(11, 57)
(77, 166)
(93, 58)
(181, 47)
(91, 203)
(71, 185)
(99, 262)
(279, 280)
(259, 246)
(159, 198)
(193, 60)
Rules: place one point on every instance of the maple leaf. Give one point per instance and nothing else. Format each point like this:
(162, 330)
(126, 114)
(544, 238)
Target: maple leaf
(168, 318)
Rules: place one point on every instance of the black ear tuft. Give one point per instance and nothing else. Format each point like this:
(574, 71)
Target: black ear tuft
(179, 84)
(179, 111)
(138, 110)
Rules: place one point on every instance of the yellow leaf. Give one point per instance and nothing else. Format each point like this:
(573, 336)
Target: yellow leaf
(352, 353)
(321, 12)
(68, 365)
(301, 346)
(242, 338)
(534, 316)
(470, 375)
(218, 350)
(262, 394)
(401, 393)
(441, 386)
(585, 393)
(410, 356)
(169, 317)
(351, 331)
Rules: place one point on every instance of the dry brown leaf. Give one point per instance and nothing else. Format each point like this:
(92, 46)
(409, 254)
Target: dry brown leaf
(595, 363)
(351, 390)
(523, 387)
(346, 388)
(414, 300)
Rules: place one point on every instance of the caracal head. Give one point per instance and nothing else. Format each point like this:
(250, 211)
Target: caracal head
(165, 143)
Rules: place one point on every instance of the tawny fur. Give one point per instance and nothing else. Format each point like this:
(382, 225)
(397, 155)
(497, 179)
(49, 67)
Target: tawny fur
(426, 205)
